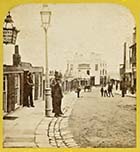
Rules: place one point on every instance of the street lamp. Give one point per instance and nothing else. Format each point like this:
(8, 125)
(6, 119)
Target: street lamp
(9, 31)
(45, 19)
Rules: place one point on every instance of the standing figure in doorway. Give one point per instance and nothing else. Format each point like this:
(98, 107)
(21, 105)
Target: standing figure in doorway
(30, 85)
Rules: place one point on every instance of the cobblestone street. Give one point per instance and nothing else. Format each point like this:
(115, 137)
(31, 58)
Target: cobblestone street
(57, 134)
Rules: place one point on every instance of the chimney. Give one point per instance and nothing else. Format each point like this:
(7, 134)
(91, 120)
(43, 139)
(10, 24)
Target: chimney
(16, 57)
(134, 35)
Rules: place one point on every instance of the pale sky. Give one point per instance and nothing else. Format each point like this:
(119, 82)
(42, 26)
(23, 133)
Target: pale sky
(83, 28)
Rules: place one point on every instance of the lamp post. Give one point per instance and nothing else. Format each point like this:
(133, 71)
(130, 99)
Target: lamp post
(9, 31)
(45, 19)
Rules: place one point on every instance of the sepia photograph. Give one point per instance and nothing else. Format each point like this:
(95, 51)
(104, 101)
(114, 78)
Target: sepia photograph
(69, 76)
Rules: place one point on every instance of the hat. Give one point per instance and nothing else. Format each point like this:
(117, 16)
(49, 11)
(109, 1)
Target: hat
(28, 73)
(58, 75)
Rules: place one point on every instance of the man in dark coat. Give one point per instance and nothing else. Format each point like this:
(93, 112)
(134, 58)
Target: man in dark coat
(53, 83)
(25, 103)
(57, 97)
(30, 89)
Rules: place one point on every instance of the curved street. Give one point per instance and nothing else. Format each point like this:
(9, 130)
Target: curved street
(88, 121)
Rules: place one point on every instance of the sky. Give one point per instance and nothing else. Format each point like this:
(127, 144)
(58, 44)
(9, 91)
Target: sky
(83, 28)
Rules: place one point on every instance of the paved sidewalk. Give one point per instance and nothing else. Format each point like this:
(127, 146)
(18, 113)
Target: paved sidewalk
(28, 127)
(19, 132)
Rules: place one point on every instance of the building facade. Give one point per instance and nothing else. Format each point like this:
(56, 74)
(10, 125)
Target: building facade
(88, 69)
(14, 78)
(128, 68)
(132, 59)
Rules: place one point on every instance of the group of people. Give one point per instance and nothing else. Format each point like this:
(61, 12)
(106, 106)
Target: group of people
(106, 90)
(56, 93)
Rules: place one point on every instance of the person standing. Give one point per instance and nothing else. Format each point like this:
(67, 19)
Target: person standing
(57, 97)
(53, 83)
(110, 87)
(102, 91)
(123, 88)
(30, 89)
(78, 89)
(25, 97)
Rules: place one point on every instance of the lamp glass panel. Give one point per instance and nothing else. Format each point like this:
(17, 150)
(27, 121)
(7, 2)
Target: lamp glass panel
(45, 17)
(9, 36)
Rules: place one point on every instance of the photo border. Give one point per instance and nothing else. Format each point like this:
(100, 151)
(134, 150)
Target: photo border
(134, 7)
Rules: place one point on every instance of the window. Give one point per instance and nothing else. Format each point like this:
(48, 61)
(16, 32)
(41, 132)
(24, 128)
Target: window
(103, 71)
(96, 67)
(88, 72)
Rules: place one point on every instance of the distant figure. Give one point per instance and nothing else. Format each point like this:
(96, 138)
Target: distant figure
(78, 89)
(30, 89)
(110, 87)
(123, 88)
(105, 91)
(102, 91)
